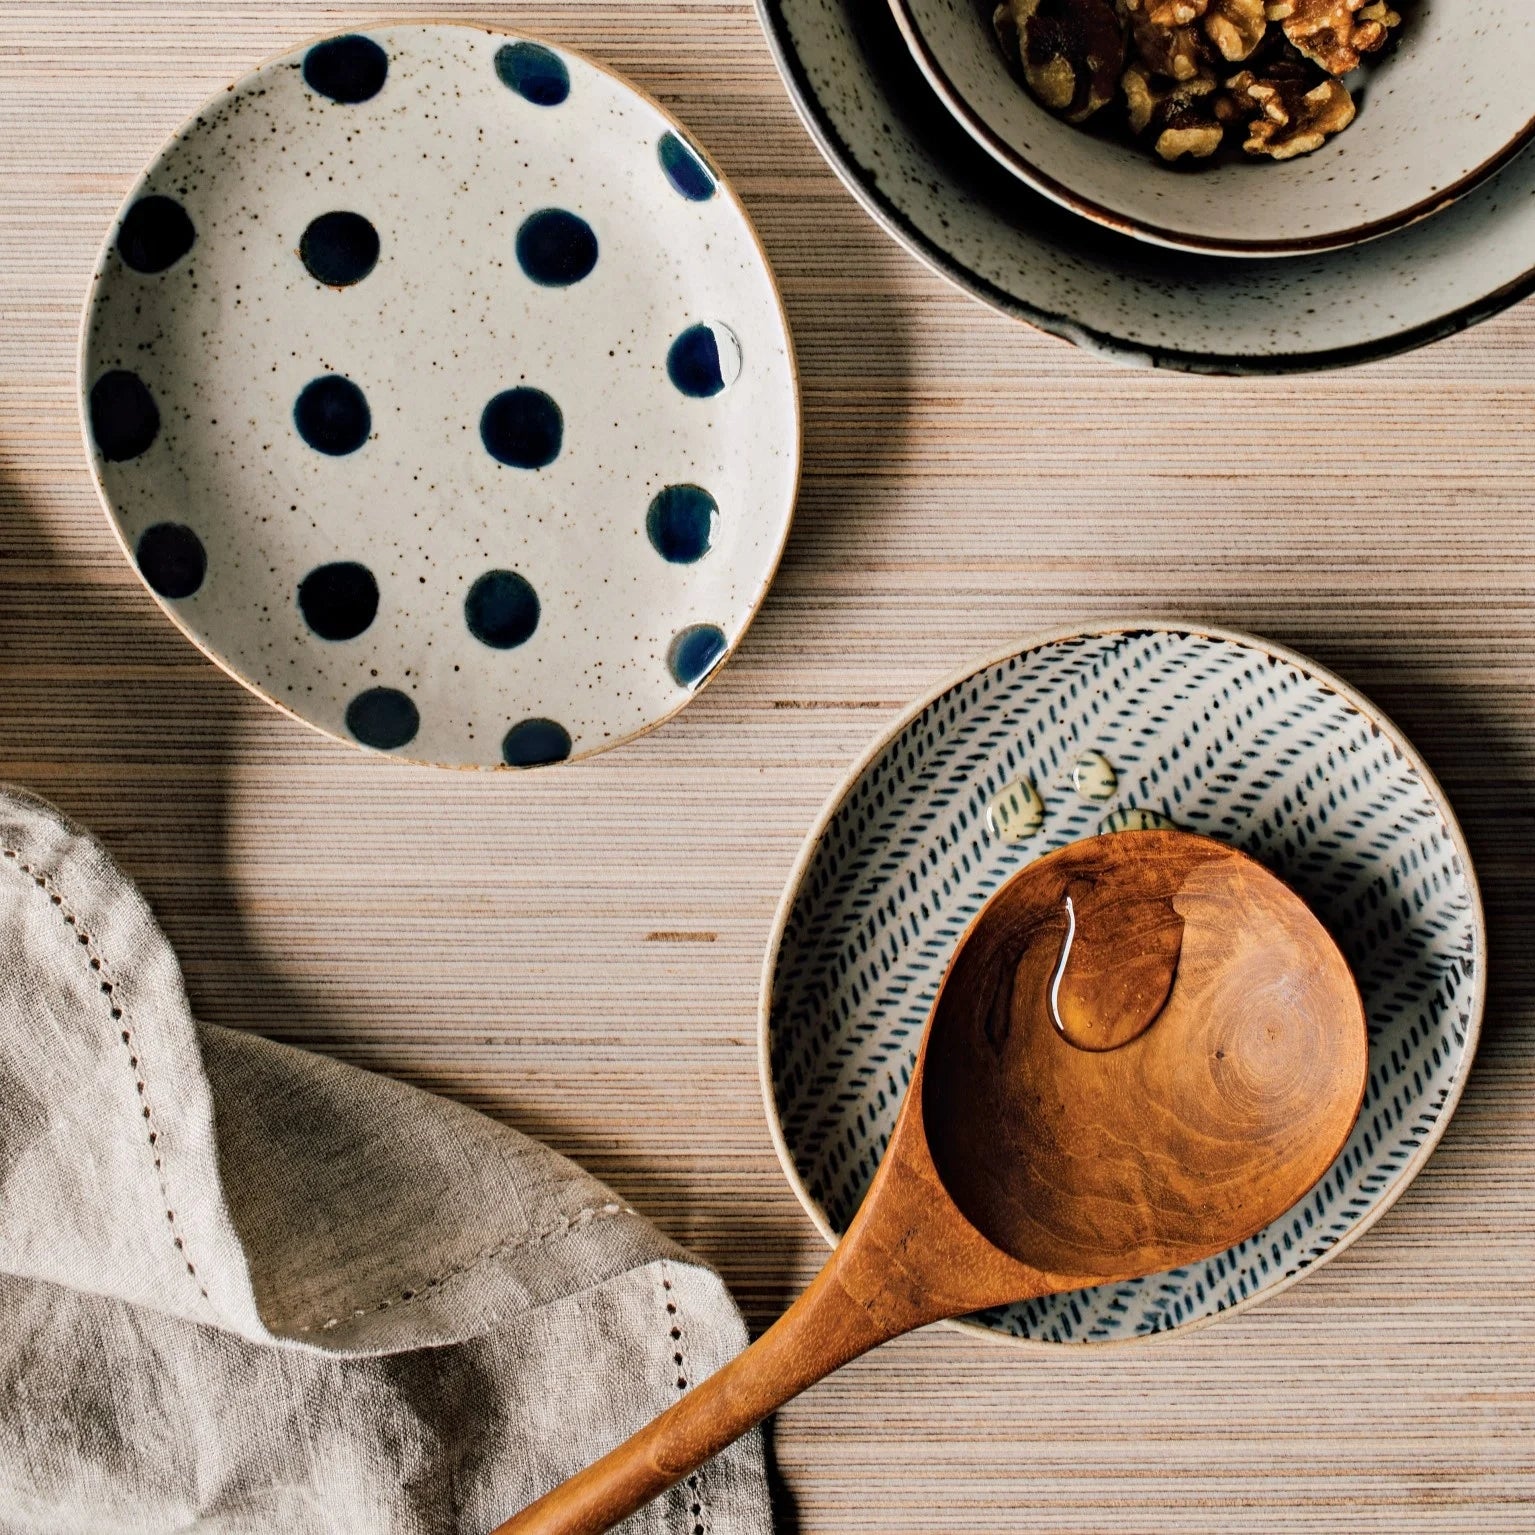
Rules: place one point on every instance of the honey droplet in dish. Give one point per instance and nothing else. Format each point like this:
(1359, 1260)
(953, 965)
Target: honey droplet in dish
(1094, 777)
(1017, 812)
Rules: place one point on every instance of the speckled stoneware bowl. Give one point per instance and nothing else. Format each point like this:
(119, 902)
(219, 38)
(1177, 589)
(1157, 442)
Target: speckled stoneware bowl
(439, 390)
(1077, 733)
(934, 189)
(1446, 106)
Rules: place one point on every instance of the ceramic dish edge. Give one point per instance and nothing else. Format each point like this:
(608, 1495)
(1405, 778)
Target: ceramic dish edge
(82, 394)
(849, 781)
(1099, 343)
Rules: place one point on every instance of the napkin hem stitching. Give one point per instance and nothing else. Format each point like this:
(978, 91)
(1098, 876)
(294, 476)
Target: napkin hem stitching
(563, 1227)
(98, 963)
(698, 1507)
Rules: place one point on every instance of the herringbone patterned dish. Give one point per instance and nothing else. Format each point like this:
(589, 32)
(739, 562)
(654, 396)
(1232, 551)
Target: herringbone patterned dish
(1222, 735)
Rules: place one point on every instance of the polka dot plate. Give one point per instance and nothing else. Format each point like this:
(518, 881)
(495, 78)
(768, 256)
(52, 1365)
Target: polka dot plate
(438, 388)
(1114, 730)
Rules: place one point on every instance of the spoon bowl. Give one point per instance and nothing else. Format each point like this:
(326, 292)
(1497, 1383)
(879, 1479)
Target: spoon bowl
(1145, 1048)
(1197, 1065)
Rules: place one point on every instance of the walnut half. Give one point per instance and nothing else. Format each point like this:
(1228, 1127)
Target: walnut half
(1287, 116)
(1166, 37)
(1334, 33)
(1236, 27)
(1182, 115)
(1070, 51)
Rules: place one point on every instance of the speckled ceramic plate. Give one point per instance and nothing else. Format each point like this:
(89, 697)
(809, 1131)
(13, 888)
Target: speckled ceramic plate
(1077, 733)
(933, 188)
(438, 388)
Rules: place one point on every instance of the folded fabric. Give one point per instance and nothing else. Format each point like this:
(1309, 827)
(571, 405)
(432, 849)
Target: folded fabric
(246, 1288)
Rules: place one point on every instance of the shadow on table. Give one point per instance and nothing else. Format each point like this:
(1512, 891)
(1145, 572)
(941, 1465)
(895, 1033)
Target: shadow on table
(1487, 768)
(113, 716)
(854, 373)
(785, 1510)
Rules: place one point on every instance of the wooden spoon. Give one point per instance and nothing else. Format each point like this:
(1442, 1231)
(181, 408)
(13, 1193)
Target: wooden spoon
(1145, 1049)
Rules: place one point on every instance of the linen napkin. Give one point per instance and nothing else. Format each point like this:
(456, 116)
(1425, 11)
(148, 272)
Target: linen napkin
(246, 1288)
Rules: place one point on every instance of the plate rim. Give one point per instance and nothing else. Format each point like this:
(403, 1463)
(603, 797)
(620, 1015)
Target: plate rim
(1012, 159)
(402, 755)
(1038, 640)
(1088, 338)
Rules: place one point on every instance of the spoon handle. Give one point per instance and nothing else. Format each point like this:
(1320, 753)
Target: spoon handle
(820, 1332)
(908, 1258)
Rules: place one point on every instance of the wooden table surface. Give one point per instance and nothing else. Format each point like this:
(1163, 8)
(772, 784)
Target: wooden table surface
(579, 951)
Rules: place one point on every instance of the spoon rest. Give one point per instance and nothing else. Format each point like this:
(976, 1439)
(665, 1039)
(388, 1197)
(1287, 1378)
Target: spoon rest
(1215, 731)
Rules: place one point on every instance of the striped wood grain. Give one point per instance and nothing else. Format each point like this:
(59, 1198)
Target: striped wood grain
(579, 951)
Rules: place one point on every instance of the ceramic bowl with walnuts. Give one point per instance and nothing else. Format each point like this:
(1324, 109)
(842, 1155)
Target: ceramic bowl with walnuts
(1245, 127)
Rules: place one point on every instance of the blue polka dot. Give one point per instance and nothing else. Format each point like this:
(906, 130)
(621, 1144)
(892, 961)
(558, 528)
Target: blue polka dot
(347, 69)
(535, 743)
(339, 248)
(172, 559)
(501, 609)
(124, 417)
(681, 523)
(536, 73)
(556, 248)
(684, 168)
(704, 360)
(338, 601)
(522, 427)
(155, 234)
(332, 415)
(383, 718)
(694, 653)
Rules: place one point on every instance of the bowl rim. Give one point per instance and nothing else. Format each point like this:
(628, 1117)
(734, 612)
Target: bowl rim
(865, 190)
(1036, 641)
(402, 756)
(1007, 155)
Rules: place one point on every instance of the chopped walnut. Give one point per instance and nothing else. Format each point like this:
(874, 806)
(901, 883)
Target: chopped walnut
(1280, 67)
(1166, 13)
(1166, 38)
(1165, 60)
(1286, 115)
(1334, 33)
(1180, 53)
(1236, 27)
(1070, 51)
(1181, 114)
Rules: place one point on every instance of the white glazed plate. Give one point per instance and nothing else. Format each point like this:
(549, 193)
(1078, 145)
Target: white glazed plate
(1444, 106)
(438, 388)
(934, 189)
(1219, 733)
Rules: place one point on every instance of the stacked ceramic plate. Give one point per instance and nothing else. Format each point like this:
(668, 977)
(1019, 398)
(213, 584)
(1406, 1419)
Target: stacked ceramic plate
(1414, 223)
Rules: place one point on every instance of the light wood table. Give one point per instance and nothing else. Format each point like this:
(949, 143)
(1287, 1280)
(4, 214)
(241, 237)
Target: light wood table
(579, 951)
